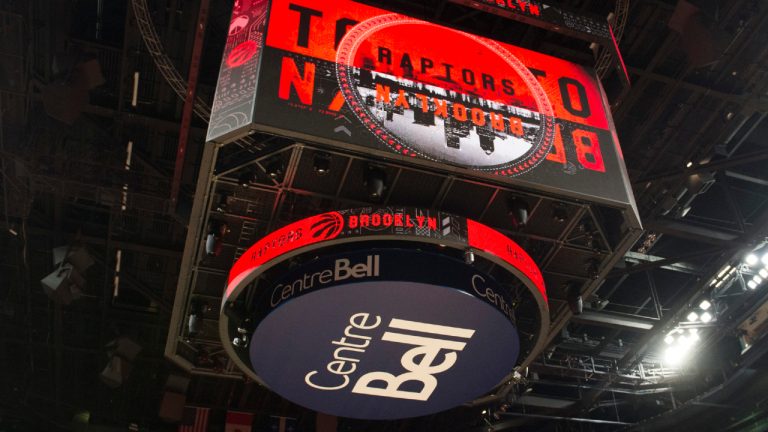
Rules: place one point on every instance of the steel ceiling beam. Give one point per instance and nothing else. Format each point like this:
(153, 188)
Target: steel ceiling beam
(681, 229)
(615, 320)
(679, 266)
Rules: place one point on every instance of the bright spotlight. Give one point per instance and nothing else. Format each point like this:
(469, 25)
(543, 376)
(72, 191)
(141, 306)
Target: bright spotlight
(692, 317)
(764, 259)
(763, 273)
(752, 284)
(757, 279)
(706, 317)
(705, 304)
(723, 271)
(669, 339)
(675, 354)
(694, 337)
(751, 259)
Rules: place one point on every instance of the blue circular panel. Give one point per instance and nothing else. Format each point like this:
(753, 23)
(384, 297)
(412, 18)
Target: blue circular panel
(386, 349)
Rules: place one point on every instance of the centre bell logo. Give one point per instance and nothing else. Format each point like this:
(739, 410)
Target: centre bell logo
(429, 349)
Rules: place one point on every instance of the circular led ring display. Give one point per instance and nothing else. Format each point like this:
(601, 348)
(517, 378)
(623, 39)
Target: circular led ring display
(371, 225)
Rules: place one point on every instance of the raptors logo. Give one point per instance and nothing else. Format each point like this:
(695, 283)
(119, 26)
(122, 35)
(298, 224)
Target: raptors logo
(242, 53)
(328, 226)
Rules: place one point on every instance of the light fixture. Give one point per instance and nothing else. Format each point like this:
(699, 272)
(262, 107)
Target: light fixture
(692, 317)
(518, 209)
(705, 304)
(763, 273)
(758, 280)
(469, 256)
(559, 213)
(241, 341)
(193, 324)
(275, 168)
(600, 304)
(211, 243)
(223, 202)
(197, 311)
(246, 178)
(689, 164)
(751, 259)
(694, 334)
(322, 164)
(679, 344)
(706, 317)
(575, 301)
(764, 259)
(675, 354)
(723, 271)
(752, 284)
(375, 181)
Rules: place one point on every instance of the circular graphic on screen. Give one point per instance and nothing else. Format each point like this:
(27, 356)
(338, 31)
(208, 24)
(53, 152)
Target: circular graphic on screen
(444, 95)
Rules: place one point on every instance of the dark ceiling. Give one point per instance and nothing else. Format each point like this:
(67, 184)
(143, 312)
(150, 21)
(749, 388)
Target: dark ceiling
(695, 142)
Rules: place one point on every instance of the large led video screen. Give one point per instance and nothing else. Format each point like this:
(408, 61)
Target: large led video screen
(346, 74)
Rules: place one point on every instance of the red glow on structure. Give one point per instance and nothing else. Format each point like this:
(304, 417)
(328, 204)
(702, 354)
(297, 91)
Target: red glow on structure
(286, 239)
(489, 240)
(331, 225)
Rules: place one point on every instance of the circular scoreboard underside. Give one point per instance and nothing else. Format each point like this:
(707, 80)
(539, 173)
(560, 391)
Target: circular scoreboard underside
(383, 313)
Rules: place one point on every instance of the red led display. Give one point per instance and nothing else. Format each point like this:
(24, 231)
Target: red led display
(370, 224)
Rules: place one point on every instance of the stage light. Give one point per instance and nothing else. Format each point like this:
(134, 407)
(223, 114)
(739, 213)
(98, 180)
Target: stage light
(246, 178)
(694, 334)
(752, 284)
(197, 310)
(575, 301)
(322, 164)
(275, 168)
(751, 259)
(193, 324)
(764, 259)
(518, 210)
(213, 241)
(675, 354)
(240, 342)
(559, 213)
(600, 304)
(678, 348)
(763, 273)
(723, 271)
(692, 317)
(706, 317)
(469, 256)
(375, 181)
(223, 202)
(758, 280)
(689, 164)
(705, 304)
